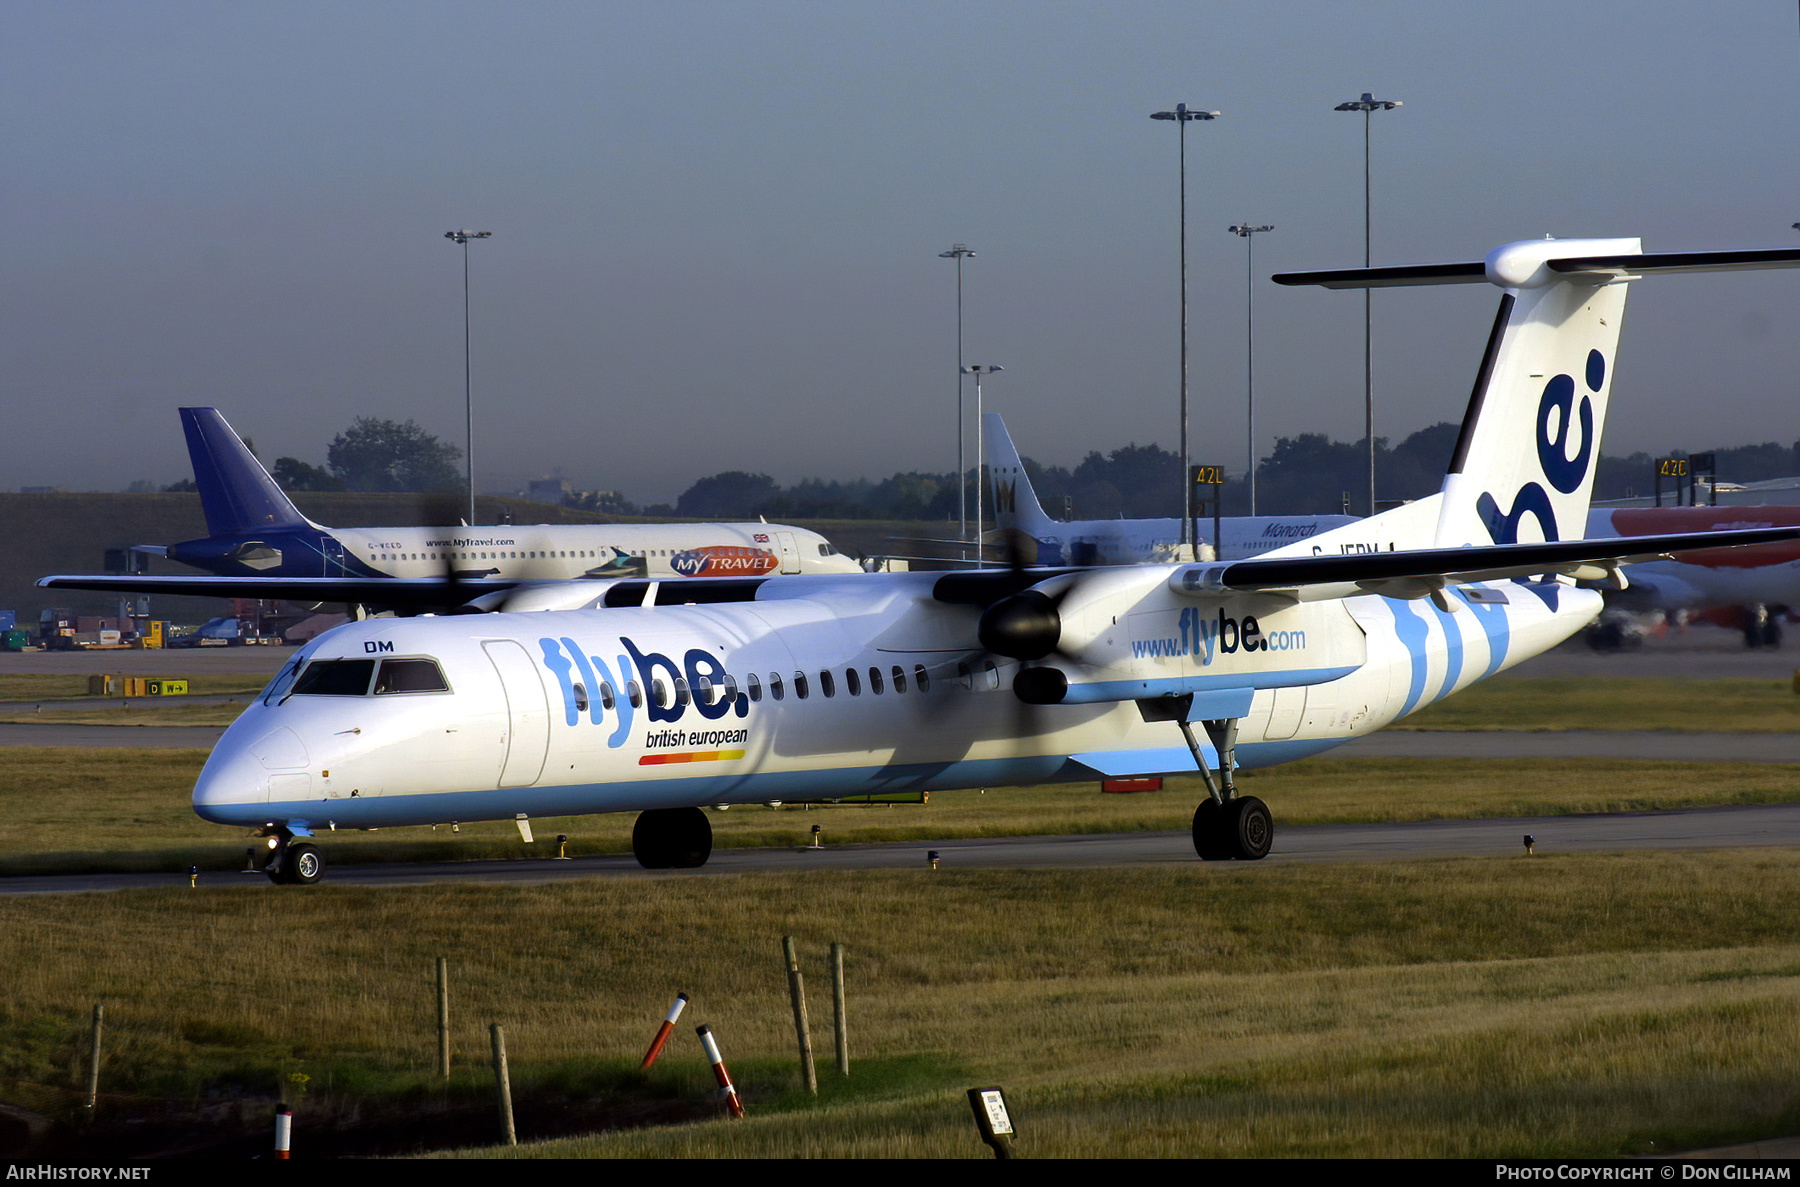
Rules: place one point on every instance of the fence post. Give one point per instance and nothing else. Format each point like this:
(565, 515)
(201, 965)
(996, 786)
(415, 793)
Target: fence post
(443, 1004)
(797, 992)
(93, 1084)
(502, 1086)
(837, 1002)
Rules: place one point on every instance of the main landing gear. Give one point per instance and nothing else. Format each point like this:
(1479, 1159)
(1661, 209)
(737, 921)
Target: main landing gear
(671, 839)
(1226, 825)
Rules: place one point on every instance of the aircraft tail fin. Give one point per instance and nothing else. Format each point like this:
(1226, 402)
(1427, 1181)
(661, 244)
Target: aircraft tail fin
(1016, 505)
(1523, 469)
(236, 493)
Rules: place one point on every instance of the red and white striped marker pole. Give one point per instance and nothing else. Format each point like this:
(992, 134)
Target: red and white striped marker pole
(665, 1030)
(718, 1065)
(284, 1130)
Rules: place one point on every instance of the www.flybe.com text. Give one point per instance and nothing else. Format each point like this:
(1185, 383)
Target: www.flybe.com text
(1205, 638)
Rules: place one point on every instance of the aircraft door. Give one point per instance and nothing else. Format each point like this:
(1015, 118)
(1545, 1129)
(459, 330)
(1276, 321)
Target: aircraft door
(1286, 708)
(790, 552)
(528, 738)
(333, 550)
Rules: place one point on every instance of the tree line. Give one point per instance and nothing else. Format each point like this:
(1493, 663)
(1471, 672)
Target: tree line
(1308, 474)
(1303, 475)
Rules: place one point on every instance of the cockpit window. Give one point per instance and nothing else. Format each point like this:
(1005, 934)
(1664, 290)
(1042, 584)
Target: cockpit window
(335, 678)
(284, 679)
(410, 675)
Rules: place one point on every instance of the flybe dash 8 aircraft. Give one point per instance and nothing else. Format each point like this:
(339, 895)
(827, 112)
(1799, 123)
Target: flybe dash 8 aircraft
(1123, 541)
(254, 530)
(666, 697)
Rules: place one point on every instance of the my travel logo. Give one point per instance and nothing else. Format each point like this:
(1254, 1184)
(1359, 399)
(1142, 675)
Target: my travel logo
(723, 560)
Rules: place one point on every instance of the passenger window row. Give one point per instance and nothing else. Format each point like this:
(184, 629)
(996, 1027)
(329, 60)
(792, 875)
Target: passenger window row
(354, 677)
(482, 556)
(754, 688)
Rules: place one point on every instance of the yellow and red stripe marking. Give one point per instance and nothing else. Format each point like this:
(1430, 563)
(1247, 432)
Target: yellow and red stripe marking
(657, 760)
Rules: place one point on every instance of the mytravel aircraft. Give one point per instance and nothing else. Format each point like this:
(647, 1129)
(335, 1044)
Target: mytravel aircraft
(255, 531)
(666, 697)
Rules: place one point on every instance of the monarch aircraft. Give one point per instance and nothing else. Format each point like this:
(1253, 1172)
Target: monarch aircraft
(662, 697)
(254, 530)
(1122, 541)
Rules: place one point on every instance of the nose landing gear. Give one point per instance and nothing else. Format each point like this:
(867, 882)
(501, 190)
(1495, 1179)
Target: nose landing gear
(293, 862)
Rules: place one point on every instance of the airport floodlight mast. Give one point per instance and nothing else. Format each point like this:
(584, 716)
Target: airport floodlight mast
(959, 252)
(1246, 232)
(977, 370)
(1367, 104)
(463, 238)
(1182, 117)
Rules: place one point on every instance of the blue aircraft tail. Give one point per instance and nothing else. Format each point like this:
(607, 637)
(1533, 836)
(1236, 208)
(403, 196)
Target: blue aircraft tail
(236, 493)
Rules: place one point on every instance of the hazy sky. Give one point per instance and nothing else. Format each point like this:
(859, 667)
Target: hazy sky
(716, 226)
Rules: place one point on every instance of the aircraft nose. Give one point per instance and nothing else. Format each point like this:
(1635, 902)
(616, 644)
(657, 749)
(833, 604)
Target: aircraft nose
(233, 787)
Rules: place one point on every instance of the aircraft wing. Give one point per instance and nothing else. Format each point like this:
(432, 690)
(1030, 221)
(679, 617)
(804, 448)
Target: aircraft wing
(1418, 571)
(381, 591)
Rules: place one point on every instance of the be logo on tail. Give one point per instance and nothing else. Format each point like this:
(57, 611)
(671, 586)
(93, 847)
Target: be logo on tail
(1561, 471)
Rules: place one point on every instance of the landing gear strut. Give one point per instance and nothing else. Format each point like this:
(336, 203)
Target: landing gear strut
(1226, 825)
(671, 838)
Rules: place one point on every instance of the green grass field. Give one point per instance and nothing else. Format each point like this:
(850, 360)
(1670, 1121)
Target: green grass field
(69, 690)
(1615, 703)
(1549, 1007)
(64, 810)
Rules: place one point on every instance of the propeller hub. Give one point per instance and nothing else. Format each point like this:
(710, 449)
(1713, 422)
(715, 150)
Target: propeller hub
(1023, 626)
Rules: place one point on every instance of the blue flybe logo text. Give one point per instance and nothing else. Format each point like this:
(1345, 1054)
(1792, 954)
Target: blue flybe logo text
(666, 690)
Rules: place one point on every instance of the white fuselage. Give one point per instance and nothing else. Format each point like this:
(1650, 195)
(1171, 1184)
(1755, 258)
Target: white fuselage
(881, 690)
(549, 552)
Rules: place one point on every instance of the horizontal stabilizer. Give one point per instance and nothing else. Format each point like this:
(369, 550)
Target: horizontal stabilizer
(1599, 269)
(1389, 277)
(1363, 570)
(1657, 262)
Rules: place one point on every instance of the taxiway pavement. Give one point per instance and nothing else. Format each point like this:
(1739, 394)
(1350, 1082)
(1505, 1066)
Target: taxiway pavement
(1747, 826)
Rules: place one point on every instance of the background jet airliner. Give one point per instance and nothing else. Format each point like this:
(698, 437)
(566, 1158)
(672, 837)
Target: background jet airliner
(661, 697)
(254, 530)
(1121, 541)
(1747, 588)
